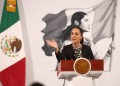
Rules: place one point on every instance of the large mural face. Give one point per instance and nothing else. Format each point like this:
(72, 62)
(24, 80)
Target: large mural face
(97, 23)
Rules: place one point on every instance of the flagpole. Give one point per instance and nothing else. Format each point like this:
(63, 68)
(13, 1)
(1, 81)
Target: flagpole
(112, 47)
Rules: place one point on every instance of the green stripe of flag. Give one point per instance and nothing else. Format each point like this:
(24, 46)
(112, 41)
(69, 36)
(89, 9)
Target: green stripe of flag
(8, 18)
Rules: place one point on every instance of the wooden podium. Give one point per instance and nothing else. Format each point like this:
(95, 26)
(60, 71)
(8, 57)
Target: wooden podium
(66, 71)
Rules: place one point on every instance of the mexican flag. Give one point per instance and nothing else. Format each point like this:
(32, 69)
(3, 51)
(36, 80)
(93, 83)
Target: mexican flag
(12, 54)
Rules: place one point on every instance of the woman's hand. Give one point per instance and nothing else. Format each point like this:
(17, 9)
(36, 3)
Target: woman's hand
(53, 44)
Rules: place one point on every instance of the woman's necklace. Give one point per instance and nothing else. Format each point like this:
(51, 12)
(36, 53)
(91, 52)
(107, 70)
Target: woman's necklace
(78, 52)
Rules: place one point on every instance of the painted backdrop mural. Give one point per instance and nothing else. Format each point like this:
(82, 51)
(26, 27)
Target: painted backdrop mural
(97, 23)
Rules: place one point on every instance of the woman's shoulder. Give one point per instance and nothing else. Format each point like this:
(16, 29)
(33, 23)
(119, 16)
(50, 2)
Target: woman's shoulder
(85, 46)
(68, 46)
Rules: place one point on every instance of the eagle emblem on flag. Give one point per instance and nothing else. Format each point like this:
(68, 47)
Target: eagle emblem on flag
(11, 46)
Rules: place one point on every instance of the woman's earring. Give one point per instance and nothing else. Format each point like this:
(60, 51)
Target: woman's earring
(76, 22)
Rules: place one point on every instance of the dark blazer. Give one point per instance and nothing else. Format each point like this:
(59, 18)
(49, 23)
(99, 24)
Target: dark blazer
(68, 53)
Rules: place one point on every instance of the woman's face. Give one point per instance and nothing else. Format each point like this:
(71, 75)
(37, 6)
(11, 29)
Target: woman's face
(85, 23)
(76, 36)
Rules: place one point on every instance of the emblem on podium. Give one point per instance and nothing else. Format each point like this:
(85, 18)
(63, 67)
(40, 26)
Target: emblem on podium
(82, 66)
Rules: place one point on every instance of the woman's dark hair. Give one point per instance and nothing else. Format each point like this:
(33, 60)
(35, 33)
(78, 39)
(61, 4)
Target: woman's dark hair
(77, 16)
(66, 33)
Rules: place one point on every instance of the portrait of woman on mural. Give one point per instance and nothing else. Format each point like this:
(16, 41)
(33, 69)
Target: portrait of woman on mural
(62, 34)
(80, 19)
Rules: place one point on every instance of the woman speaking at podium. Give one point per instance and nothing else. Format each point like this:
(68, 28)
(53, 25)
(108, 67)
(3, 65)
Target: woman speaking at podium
(74, 50)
